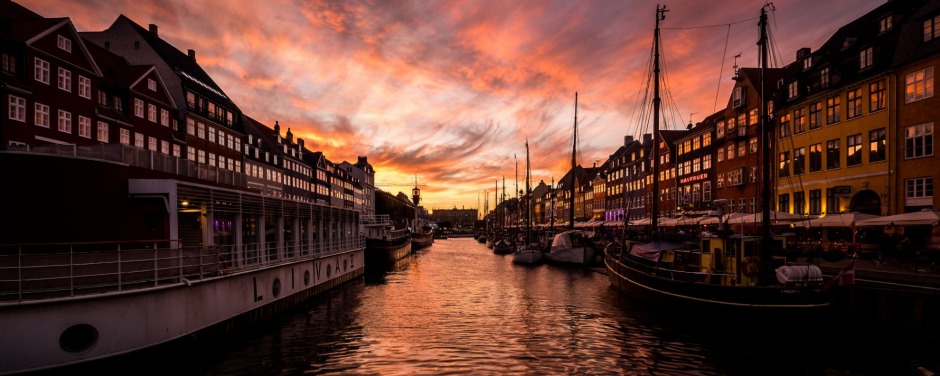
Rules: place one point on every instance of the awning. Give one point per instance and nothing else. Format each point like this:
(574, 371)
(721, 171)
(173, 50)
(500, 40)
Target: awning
(923, 218)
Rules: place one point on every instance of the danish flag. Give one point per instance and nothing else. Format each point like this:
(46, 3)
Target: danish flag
(845, 277)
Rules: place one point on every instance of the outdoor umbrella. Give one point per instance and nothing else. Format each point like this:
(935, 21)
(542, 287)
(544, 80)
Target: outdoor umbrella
(924, 217)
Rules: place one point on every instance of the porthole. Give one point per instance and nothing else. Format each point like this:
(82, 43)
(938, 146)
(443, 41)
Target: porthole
(78, 338)
(276, 287)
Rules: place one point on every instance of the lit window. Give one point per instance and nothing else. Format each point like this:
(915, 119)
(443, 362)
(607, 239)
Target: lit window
(84, 126)
(103, 132)
(918, 85)
(41, 71)
(65, 121)
(65, 79)
(64, 43)
(866, 58)
(41, 115)
(84, 87)
(918, 140)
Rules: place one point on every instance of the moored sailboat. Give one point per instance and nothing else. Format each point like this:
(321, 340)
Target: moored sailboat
(725, 272)
(529, 252)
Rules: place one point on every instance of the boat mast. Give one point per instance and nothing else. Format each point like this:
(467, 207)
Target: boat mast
(574, 150)
(660, 15)
(765, 133)
(528, 196)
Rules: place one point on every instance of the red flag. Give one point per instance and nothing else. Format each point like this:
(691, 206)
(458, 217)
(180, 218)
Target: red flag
(845, 277)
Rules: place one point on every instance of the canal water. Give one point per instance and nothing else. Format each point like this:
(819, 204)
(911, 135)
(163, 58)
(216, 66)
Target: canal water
(457, 308)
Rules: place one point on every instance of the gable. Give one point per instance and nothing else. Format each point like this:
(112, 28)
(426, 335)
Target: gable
(76, 54)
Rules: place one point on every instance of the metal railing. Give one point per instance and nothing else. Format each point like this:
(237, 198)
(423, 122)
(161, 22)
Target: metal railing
(47, 271)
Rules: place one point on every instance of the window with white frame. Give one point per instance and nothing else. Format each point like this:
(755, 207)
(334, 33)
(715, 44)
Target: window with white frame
(41, 71)
(152, 143)
(201, 130)
(176, 150)
(139, 140)
(17, 108)
(65, 79)
(138, 107)
(84, 87)
(125, 136)
(191, 153)
(918, 191)
(918, 141)
(793, 90)
(866, 58)
(201, 156)
(41, 115)
(212, 159)
(190, 126)
(151, 112)
(65, 121)
(164, 147)
(211, 131)
(918, 85)
(151, 84)
(9, 63)
(164, 117)
(102, 131)
(737, 97)
(84, 126)
(64, 43)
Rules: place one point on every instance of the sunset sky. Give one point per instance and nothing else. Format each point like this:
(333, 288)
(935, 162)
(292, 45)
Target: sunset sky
(449, 91)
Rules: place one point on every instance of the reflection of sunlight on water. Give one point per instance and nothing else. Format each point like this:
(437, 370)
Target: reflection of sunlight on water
(456, 308)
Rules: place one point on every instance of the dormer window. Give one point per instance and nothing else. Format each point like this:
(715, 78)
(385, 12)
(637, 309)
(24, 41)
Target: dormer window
(793, 90)
(866, 58)
(884, 24)
(807, 63)
(824, 77)
(931, 28)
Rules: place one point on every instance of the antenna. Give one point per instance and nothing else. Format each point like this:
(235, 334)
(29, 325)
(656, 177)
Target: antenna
(736, 64)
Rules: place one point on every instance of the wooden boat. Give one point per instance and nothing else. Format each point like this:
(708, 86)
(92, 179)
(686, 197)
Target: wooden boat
(529, 252)
(719, 273)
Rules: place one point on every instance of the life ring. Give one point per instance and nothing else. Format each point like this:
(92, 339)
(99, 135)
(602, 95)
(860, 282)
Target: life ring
(750, 266)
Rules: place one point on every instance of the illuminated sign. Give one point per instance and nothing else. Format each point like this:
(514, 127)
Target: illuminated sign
(689, 179)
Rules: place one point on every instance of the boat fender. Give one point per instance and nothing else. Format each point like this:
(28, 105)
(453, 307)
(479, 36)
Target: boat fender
(750, 266)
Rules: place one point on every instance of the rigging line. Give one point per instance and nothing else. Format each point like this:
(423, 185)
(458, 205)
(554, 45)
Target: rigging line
(638, 104)
(670, 99)
(722, 70)
(709, 26)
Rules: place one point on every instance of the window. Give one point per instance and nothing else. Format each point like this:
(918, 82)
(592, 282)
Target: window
(783, 169)
(815, 121)
(752, 175)
(931, 28)
(17, 108)
(65, 121)
(877, 145)
(152, 143)
(854, 102)
(191, 153)
(212, 159)
(201, 130)
(164, 147)
(877, 97)
(807, 63)
(833, 159)
(84, 87)
(706, 191)
(118, 104)
(176, 150)
(785, 126)
(783, 203)
(201, 156)
(799, 160)
(918, 191)
(742, 121)
(706, 162)
(793, 89)
(164, 117)
(799, 202)
(9, 63)
(815, 158)
(720, 129)
(84, 126)
(799, 122)
(190, 126)
(742, 148)
(125, 136)
(832, 110)
(732, 127)
(151, 112)
(41, 115)
(884, 24)
(103, 132)
(918, 140)
(824, 77)
(64, 43)
(138, 107)
(211, 134)
(41, 71)
(753, 145)
(65, 79)
(721, 154)
(139, 140)
(706, 139)
(918, 85)
(737, 97)
(815, 202)
(866, 58)
(752, 116)
(853, 150)
(151, 84)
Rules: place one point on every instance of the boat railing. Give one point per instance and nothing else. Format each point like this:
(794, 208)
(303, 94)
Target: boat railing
(653, 268)
(376, 219)
(47, 271)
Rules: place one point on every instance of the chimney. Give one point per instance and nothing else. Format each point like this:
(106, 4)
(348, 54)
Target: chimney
(153, 30)
(802, 53)
(363, 160)
(647, 138)
(300, 147)
(290, 136)
(627, 140)
(192, 54)
(277, 130)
